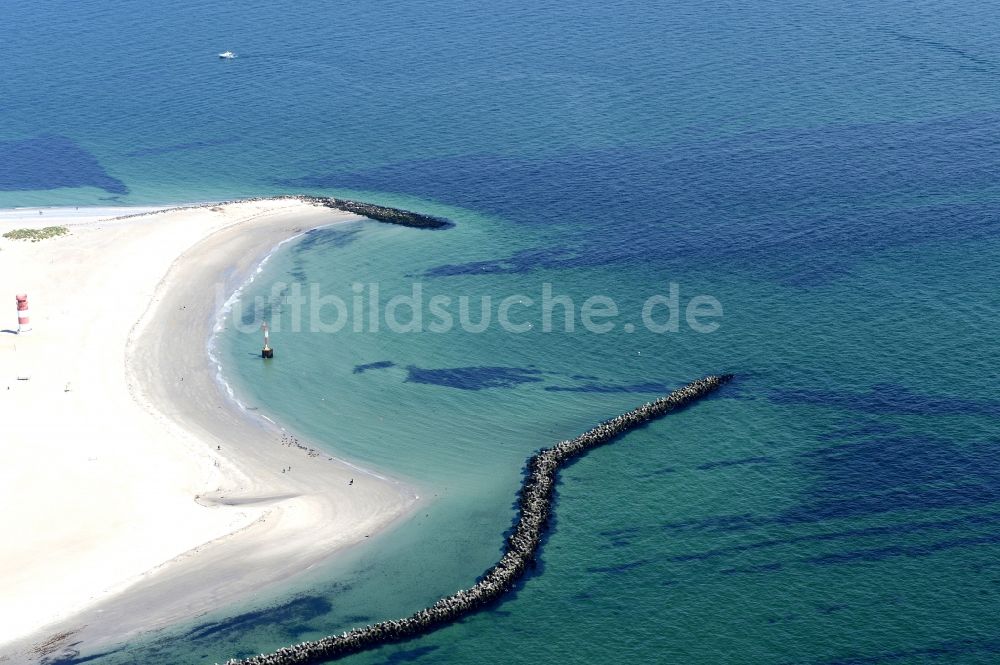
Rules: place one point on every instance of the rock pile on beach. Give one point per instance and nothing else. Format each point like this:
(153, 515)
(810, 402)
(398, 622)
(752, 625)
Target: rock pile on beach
(534, 508)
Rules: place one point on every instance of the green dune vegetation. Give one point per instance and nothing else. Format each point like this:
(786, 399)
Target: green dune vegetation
(34, 235)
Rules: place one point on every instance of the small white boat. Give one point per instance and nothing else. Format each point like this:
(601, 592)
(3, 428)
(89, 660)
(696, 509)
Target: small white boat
(228, 55)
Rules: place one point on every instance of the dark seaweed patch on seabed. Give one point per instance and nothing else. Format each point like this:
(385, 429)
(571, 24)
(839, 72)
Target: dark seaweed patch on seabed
(292, 616)
(746, 182)
(896, 472)
(474, 378)
(72, 657)
(888, 551)
(52, 162)
(878, 475)
(886, 399)
(657, 388)
(520, 262)
(381, 364)
(872, 476)
(327, 237)
(941, 652)
(898, 530)
(870, 468)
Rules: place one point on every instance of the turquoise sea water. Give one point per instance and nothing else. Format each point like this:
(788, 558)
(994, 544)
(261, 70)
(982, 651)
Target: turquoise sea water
(824, 170)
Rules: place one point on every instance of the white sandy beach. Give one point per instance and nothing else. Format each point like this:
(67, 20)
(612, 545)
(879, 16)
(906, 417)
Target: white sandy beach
(134, 492)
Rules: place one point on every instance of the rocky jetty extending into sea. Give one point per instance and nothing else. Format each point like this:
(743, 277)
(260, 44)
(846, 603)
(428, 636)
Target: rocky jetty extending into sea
(520, 550)
(382, 213)
(385, 214)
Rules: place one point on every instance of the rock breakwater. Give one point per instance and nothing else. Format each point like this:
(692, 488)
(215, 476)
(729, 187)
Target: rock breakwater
(382, 213)
(521, 548)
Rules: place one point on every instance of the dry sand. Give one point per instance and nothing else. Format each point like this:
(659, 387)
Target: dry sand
(134, 492)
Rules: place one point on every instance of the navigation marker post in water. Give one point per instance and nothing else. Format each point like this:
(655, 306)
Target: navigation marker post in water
(267, 351)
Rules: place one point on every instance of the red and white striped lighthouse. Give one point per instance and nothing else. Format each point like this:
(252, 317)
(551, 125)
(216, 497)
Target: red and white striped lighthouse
(23, 320)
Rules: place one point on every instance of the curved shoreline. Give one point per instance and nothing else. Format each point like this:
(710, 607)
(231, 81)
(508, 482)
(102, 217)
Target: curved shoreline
(269, 504)
(263, 443)
(520, 549)
(279, 524)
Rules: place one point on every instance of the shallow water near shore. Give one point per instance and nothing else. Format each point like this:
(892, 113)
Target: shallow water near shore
(826, 173)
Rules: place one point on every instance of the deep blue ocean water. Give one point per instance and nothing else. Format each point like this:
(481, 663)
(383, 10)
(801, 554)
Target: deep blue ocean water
(824, 170)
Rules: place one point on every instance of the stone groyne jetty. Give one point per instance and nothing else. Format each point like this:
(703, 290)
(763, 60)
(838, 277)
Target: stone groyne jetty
(378, 213)
(382, 213)
(533, 510)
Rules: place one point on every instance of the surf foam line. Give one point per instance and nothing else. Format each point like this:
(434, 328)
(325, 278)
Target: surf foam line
(224, 313)
(520, 551)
